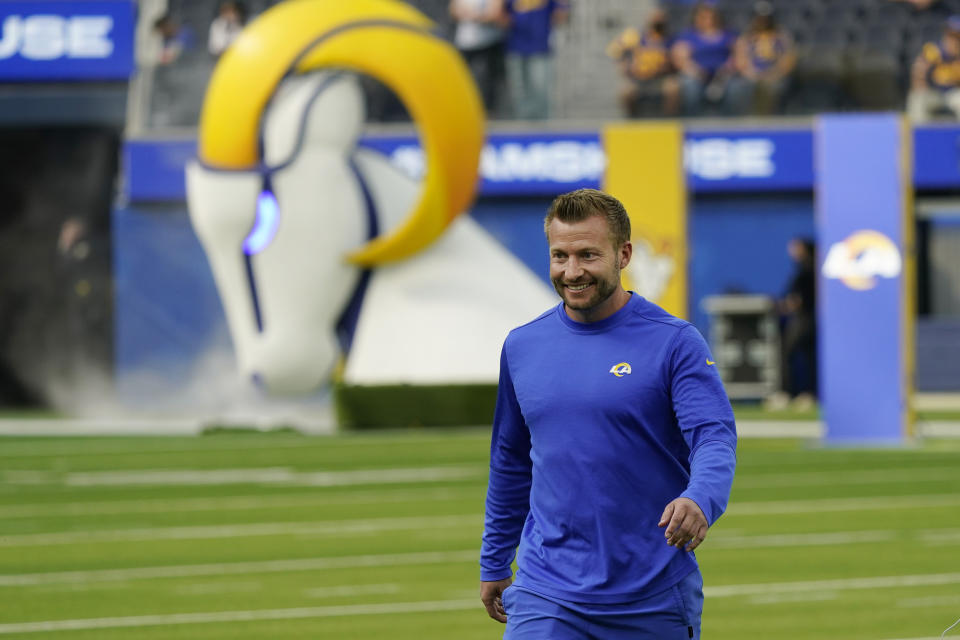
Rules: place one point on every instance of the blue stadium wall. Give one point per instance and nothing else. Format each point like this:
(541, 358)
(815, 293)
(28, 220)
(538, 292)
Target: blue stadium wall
(750, 193)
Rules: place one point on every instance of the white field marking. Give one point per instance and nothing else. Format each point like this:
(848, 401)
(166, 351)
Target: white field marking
(239, 568)
(414, 558)
(345, 590)
(231, 503)
(939, 429)
(135, 446)
(873, 503)
(932, 601)
(940, 536)
(802, 539)
(841, 477)
(335, 527)
(780, 429)
(781, 598)
(268, 475)
(242, 503)
(842, 584)
(216, 588)
(337, 611)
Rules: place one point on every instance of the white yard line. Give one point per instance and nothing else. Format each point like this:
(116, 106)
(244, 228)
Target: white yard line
(873, 503)
(240, 568)
(258, 475)
(781, 598)
(383, 495)
(337, 527)
(940, 536)
(811, 429)
(842, 584)
(719, 541)
(802, 539)
(939, 429)
(931, 601)
(347, 590)
(761, 590)
(842, 477)
(241, 616)
(39, 448)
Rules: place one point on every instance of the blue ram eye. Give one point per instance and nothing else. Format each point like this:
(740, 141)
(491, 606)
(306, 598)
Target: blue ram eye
(265, 226)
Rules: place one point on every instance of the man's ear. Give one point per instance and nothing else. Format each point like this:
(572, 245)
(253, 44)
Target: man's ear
(626, 252)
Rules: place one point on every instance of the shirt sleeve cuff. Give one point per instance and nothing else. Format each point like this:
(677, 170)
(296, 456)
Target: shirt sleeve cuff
(493, 575)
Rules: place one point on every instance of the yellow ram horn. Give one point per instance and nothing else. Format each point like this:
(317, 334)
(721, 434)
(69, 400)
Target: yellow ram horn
(385, 39)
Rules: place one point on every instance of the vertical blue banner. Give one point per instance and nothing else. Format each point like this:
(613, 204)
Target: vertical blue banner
(862, 217)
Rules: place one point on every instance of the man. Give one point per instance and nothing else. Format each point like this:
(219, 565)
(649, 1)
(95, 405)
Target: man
(479, 38)
(644, 63)
(935, 76)
(611, 421)
(529, 68)
(798, 330)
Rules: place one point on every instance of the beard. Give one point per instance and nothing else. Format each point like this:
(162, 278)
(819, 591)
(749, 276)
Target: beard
(603, 289)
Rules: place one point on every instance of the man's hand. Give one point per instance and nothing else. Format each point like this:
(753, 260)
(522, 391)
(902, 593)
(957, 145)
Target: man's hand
(490, 595)
(685, 523)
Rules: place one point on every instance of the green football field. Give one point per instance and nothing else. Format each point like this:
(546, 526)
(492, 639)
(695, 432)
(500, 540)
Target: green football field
(375, 536)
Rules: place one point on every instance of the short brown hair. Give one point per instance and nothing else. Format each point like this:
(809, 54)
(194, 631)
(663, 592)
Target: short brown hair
(579, 205)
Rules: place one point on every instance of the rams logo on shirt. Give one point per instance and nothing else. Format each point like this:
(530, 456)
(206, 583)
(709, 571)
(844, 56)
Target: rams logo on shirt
(621, 369)
(861, 258)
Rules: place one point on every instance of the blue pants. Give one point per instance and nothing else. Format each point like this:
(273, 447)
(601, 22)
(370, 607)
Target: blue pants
(673, 614)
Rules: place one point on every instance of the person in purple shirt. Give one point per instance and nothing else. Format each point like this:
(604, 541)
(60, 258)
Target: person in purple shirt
(529, 69)
(612, 453)
(704, 57)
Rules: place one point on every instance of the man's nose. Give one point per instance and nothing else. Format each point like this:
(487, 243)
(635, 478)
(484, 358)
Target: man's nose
(573, 269)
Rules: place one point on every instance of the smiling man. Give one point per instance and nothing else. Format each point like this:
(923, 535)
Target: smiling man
(613, 451)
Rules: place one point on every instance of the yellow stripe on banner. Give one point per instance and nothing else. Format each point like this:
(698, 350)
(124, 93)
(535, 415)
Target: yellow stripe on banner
(645, 172)
(909, 278)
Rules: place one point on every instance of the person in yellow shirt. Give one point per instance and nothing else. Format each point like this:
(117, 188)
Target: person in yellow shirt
(643, 60)
(765, 58)
(935, 77)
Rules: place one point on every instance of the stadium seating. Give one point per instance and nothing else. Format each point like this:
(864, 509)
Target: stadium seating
(853, 54)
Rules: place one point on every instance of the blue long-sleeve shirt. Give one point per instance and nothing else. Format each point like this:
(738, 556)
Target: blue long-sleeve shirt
(598, 426)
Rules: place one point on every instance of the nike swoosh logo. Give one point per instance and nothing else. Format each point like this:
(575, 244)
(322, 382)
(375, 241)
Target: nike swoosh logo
(710, 362)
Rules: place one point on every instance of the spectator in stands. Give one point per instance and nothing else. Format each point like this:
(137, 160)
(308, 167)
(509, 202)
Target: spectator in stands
(765, 57)
(479, 37)
(529, 70)
(935, 77)
(920, 4)
(644, 63)
(704, 57)
(175, 39)
(231, 17)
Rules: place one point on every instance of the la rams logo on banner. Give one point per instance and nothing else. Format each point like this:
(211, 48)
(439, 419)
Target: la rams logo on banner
(862, 258)
(621, 369)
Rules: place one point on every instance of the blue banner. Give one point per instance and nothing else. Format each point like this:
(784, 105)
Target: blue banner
(538, 164)
(862, 292)
(517, 164)
(45, 40)
(544, 164)
(749, 160)
(936, 157)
